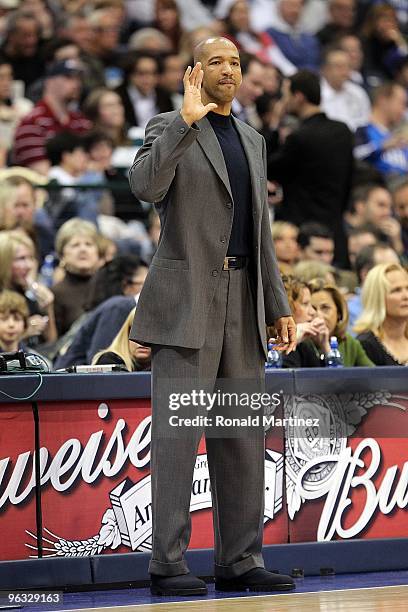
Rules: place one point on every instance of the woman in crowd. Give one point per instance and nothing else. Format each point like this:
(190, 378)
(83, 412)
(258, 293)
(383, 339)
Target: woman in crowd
(122, 351)
(105, 109)
(311, 330)
(331, 306)
(18, 272)
(383, 42)
(168, 21)
(284, 235)
(76, 244)
(114, 292)
(383, 324)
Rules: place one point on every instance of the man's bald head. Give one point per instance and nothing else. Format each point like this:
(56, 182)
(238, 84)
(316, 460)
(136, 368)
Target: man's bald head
(204, 48)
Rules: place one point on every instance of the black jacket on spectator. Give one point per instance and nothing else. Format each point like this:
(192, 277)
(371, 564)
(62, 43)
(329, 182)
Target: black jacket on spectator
(163, 102)
(314, 167)
(376, 350)
(97, 331)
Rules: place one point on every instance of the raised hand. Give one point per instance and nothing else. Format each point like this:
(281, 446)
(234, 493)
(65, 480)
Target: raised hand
(193, 109)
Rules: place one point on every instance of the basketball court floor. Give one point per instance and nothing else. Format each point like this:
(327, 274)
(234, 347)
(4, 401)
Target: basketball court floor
(371, 592)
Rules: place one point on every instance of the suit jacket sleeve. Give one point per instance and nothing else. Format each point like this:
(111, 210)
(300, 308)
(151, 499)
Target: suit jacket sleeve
(153, 170)
(276, 302)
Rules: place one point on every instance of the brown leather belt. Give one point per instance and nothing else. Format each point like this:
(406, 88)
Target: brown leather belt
(234, 263)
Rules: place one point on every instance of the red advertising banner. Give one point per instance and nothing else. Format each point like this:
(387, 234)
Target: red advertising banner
(95, 483)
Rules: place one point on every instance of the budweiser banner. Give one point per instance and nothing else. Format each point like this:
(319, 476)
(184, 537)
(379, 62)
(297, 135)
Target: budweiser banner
(335, 467)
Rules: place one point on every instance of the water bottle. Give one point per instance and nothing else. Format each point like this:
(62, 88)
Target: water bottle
(47, 270)
(333, 357)
(274, 359)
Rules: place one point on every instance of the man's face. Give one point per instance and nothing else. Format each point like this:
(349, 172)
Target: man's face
(145, 75)
(80, 32)
(25, 38)
(252, 84)
(222, 71)
(401, 205)
(352, 46)
(378, 206)
(319, 249)
(336, 70)
(172, 76)
(358, 242)
(396, 105)
(342, 13)
(69, 87)
(291, 10)
(24, 205)
(106, 33)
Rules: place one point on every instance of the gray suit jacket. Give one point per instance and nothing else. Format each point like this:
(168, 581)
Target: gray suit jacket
(182, 170)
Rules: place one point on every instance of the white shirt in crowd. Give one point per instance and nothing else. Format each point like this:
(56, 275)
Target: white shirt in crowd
(350, 104)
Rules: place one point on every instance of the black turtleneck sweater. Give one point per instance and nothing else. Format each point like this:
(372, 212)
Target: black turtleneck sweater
(70, 298)
(240, 180)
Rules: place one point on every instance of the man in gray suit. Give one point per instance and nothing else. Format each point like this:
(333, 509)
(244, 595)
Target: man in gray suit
(212, 286)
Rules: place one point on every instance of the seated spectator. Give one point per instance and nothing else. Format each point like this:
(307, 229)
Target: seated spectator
(381, 143)
(116, 198)
(382, 41)
(76, 244)
(125, 352)
(243, 105)
(18, 209)
(69, 162)
(50, 115)
(171, 77)
(168, 21)
(22, 46)
(368, 257)
(331, 311)
(351, 44)
(116, 287)
(341, 21)
(373, 206)
(18, 272)
(299, 47)
(284, 235)
(382, 327)
(316, 243)
(13, 321)
(238, 30)
(358, 238)
(400, 206)
(104, 108)
(141, 97)
(12, 109)
(342, 99)
(104, 42)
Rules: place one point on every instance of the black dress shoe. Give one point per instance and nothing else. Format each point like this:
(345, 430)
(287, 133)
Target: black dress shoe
(257, 579)
(184, 584)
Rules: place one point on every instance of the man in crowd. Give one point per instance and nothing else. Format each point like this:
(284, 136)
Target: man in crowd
(50, 115)
(342, 99)
(381, 143)
(316, 243)
(315, 163)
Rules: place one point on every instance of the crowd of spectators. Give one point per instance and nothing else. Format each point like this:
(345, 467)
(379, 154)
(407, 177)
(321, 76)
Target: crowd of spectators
(324, 81)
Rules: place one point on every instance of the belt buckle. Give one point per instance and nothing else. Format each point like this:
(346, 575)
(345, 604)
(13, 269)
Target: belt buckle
(227, 261)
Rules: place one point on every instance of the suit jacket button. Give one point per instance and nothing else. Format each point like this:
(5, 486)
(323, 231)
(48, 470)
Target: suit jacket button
(223, 239)
(182, 130)
(215, 272)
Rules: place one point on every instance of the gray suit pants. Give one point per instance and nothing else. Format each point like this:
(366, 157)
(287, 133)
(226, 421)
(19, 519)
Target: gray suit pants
(232, 350)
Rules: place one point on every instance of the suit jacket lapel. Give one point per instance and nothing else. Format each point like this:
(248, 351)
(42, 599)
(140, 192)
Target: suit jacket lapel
(211, 147)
